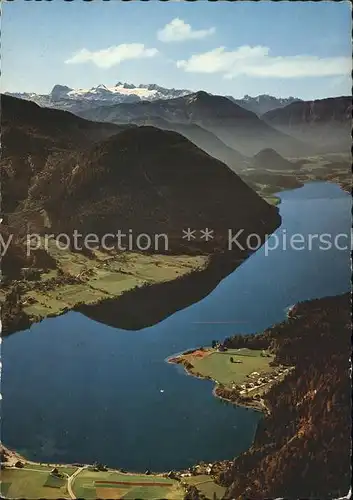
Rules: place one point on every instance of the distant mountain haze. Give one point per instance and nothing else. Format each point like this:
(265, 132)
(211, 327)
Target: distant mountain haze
(237, 127)
(263, 103)
(324, 123)
(204, 139)
(270, 159)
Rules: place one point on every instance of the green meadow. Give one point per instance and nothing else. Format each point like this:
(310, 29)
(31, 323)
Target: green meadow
(34, 481)
(219, 367)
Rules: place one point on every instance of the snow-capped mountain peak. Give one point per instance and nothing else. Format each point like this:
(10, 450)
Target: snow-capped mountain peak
(122, 92)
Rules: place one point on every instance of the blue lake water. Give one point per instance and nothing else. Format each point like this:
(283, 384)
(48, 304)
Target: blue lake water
(75, 390)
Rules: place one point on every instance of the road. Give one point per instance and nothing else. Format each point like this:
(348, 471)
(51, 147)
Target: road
(71, 479)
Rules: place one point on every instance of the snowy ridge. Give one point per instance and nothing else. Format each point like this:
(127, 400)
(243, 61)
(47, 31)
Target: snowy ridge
(77, 100)
(121, 92)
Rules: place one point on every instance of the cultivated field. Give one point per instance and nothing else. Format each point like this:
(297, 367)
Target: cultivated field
(106, 485)
(34, 481)
(103, 276)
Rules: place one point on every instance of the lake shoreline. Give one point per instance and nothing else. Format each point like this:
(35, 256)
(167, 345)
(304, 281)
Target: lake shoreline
(14, 456)
(294, 401)
(295, 313)
(129, 279)
(253, 405)
(227, 393)
(291, 315)
(20, 313)
(174, 360)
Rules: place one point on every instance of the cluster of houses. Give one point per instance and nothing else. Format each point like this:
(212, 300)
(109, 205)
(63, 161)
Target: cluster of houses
(257, 380)
(199, 469)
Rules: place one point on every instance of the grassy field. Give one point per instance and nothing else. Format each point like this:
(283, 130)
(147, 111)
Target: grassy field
(33, 483)
(218, 366)
(206, 485)
(107, 485)
(104, 276)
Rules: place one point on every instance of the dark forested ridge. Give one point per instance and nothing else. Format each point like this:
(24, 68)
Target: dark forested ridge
(32, 140)
(152, 181)
(302, 449)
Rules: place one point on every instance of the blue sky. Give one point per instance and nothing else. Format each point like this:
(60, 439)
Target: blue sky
(288, 48)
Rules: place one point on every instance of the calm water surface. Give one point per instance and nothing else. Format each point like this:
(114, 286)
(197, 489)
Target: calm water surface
(78, 391)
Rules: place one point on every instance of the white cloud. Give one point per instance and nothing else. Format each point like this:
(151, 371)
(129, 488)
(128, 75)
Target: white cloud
(257, 62)
(112, 56)
(178, 31)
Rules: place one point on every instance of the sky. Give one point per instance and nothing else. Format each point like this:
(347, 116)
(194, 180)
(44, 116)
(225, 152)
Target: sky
(300, 49)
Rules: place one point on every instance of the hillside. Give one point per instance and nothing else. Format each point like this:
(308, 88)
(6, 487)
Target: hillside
(270, 159)
(302, 446)
(32, 137)
(307, 435)
(59, 125)
(237, 127)
(149, 181)
(325, 123)
(205, 140)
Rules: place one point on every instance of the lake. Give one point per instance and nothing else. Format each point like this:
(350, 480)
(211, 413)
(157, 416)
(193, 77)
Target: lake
(75, 390)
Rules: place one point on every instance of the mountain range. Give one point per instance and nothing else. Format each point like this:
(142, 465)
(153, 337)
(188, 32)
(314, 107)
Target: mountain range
(263, 103)
(227, 128)
(64, 97)
(236, 127)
